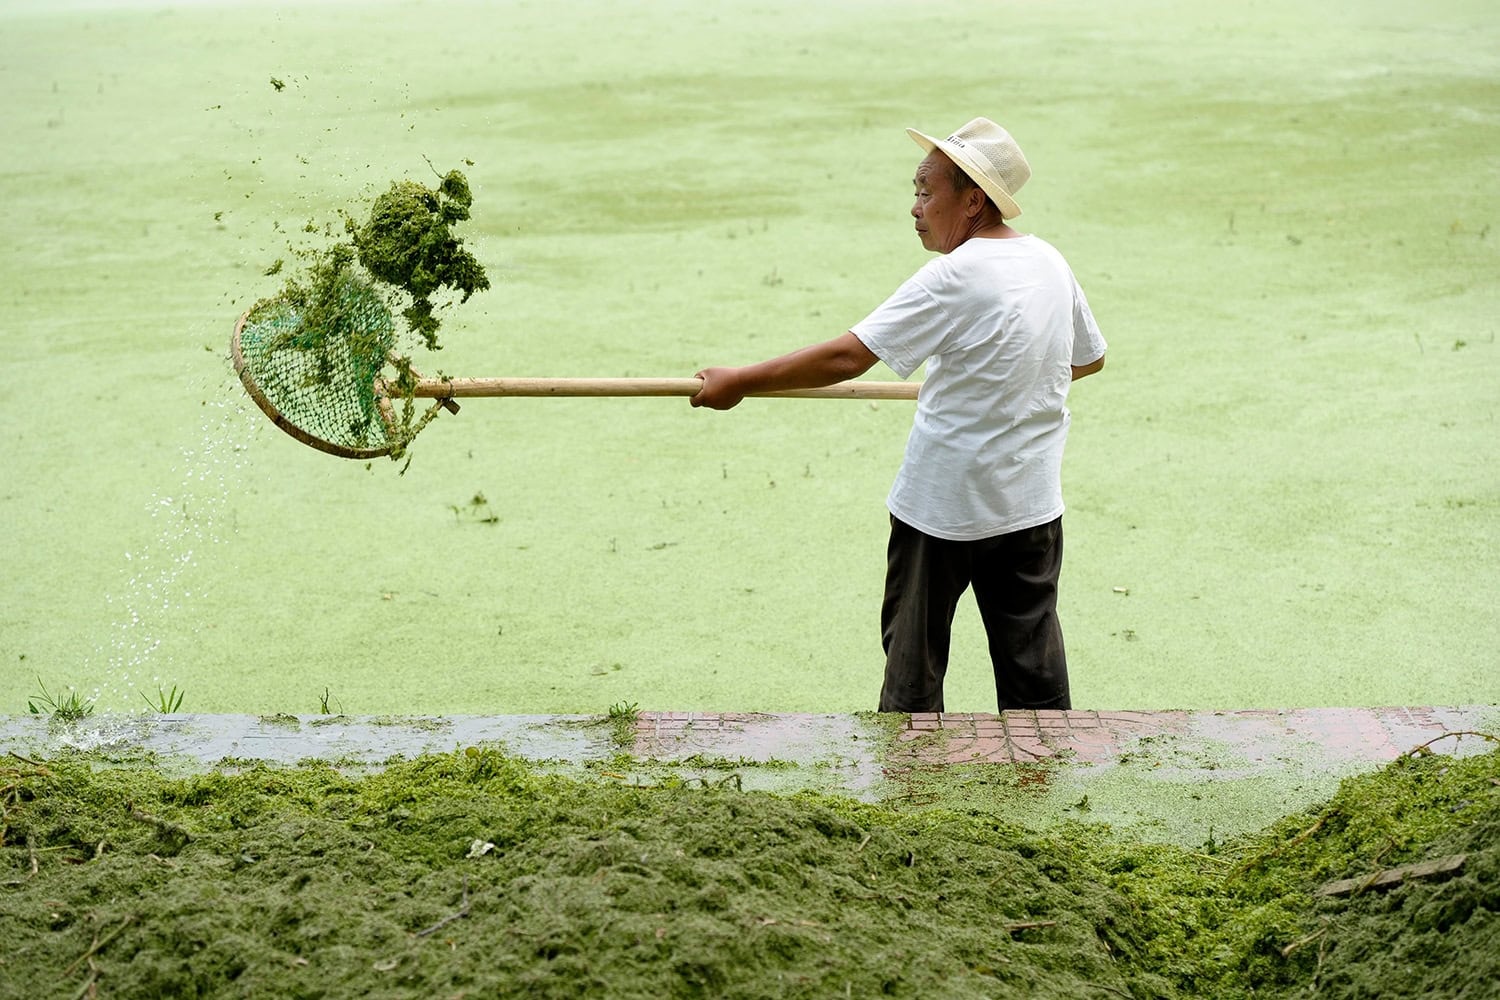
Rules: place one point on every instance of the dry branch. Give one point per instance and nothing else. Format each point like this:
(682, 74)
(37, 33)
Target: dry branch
(463, 911)
(1030, 925)
(1392, 877)
(1455, 734)
(98, 946)
(1268, 855)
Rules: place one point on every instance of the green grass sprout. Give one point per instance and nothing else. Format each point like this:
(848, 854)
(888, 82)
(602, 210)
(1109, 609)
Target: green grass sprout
(69, 707)
(167, 702)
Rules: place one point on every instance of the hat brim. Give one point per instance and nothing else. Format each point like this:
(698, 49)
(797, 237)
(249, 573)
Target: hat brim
(1001, 197)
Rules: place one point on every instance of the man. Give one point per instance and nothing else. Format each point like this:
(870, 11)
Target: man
(1004, 329)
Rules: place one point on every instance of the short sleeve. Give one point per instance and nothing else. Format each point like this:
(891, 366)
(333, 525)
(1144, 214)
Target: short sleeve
(1088, 342)
(907, 328)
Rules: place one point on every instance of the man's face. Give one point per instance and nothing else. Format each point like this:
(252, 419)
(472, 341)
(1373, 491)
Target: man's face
(942, 221)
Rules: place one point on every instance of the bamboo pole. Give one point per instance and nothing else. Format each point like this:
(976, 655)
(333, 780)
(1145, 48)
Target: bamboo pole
(477, 387)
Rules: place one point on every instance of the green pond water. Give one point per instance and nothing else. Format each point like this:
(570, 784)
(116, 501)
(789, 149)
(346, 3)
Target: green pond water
(1283, 490)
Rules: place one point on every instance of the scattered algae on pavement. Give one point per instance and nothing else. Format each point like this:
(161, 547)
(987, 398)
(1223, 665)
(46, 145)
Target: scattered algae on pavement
(474, 873)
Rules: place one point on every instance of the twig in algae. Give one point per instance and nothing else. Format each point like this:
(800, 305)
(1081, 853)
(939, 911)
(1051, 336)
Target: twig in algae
(90, 985)
(10, 795)
(1422, 747)
(98, 946)
(463, 911)
(166, 831)
(1267, 856)
(1309, 939)
(1029, 925)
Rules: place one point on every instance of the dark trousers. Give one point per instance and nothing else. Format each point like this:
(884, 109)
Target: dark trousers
(1014, 577)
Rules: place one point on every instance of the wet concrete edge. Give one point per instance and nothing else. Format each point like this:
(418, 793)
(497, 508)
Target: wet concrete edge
(1178, 774)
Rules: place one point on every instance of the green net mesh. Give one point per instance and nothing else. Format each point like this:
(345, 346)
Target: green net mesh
(316, 379)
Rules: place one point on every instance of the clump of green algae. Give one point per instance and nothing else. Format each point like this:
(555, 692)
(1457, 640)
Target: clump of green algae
(474, 872)
(407, 242)
(404, 249)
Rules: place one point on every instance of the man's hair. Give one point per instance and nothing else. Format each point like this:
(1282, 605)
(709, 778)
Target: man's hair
(962, 182)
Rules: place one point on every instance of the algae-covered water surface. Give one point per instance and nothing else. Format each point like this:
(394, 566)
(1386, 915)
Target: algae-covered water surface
(1282, 490)
(473, 874)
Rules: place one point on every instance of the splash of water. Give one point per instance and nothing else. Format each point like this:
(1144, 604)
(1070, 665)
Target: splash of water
(159, 588)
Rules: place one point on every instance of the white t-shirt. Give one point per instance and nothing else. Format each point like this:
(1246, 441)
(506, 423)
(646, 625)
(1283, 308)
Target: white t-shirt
(1000, 323)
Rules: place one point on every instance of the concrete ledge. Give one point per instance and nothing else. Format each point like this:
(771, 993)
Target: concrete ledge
(1185, 777)
(1235, 742)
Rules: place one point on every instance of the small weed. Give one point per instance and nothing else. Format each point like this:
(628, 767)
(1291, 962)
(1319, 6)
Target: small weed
(477, 510)
(622, 719)
(701, 763)
(62, 708)
(167, 702)
(327, 702)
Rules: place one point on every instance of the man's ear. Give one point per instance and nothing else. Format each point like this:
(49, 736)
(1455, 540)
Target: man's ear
(974, 201)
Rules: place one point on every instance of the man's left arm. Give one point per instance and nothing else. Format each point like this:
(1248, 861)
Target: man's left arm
(822, 364)
(1079, 371)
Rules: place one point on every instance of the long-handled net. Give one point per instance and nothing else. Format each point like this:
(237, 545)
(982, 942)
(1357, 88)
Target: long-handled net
(332, 386)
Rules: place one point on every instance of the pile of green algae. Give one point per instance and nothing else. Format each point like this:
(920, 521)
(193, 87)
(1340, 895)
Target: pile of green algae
(479, 874)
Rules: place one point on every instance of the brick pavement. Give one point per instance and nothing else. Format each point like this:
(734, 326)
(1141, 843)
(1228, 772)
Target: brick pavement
(863, 747)
(1238, 740)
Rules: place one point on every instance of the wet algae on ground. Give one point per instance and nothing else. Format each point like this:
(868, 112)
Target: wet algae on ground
(475, 874)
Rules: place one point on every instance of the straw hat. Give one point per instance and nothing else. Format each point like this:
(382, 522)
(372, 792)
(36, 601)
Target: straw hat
(990, 157)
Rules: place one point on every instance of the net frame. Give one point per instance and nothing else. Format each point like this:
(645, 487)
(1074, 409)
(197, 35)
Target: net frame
(323, 387)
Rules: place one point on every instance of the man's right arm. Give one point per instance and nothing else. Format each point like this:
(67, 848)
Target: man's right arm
(822, 364)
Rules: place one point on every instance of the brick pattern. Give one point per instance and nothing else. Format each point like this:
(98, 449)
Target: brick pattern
(1022, 736)
(1254, 736)
(925, 738)
(681, 734)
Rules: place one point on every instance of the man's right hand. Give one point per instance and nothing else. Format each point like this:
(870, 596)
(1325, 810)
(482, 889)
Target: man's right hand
(720, 389)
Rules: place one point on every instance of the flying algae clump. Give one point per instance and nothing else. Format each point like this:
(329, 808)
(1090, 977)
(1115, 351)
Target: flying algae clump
(406, 245)
(319, 347)
(407, 242)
